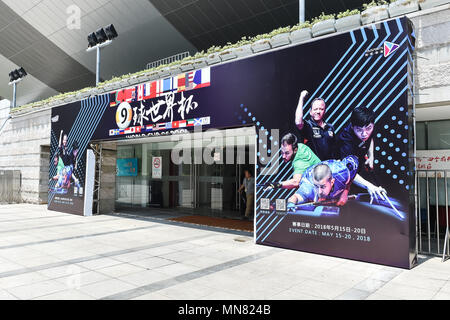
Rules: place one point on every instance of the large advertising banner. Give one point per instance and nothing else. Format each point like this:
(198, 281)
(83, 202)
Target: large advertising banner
(73, 126)
(335, 138)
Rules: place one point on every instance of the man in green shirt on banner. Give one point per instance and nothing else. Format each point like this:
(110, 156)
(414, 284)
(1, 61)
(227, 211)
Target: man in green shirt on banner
(302, 158)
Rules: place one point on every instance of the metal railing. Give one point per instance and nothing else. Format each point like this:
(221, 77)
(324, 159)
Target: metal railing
(432, 215)
(176, 57)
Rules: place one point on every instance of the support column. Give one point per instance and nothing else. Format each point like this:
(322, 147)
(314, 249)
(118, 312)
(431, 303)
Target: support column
(108, 179)
(301, 11)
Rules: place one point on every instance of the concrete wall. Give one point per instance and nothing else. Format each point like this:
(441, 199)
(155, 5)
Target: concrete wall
(20, 149)
(432, 70)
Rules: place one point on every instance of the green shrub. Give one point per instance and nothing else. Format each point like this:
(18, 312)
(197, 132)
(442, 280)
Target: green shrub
(322, 17)
(347, 13)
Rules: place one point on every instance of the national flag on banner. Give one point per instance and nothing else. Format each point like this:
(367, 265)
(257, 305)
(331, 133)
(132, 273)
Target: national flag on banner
(198, 122)
(149, 128)
(167, 85)
(154, 89)
(140, 92)
(190, 80)
(168, 125)
(175, 124)
(161, 126)
(206, 121)
(181, 82)
(182, 124)
(114, 132)
(198, 79)
(160, 88)
(146, 91)
(190, 123)
(126, 95)
(203, 78)
(134, 94)
(138, 129)
(175, 84)
(121, 131)
(130, 130)
(113, 99)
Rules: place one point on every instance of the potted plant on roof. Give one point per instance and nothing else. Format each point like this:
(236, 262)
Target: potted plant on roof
(111, 84)
(83, 93)
(401, 7)
(348, 20)
(243, 47)
(163, 71)
(133, 80)
(36, 105)
(67, 97)
(323, 24)
(426, 4)
(375, 11)
(227, 52)
(175, 68)
(123, 82)
(51, 102)
(262, 43)
(301, 32)
(280, 37)
(213, 55)
(153, 73)
(199, 60)
(187, 65)
(143, 76)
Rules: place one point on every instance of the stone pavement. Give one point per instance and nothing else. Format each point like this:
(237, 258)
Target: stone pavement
(50, 255)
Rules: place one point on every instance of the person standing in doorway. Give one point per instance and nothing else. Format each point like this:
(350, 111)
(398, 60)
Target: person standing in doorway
(248, 185)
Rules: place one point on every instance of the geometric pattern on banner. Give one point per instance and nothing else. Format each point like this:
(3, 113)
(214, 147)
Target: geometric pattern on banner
(354, 77)
(86, 122)
(390, 48)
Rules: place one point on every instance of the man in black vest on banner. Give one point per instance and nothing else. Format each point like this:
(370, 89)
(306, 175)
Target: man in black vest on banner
(316, 133)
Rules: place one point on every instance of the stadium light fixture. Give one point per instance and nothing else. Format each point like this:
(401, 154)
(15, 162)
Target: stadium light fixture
(101, 35)
(99, 39)
(15, 77)
(111, 32)
(92, 39)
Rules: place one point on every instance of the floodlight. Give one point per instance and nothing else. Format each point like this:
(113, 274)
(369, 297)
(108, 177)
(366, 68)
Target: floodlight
(22, 72)
(12, 77)
(101, 35)
(111, 32)
(92, 39)
(99, 39)
(16, 75)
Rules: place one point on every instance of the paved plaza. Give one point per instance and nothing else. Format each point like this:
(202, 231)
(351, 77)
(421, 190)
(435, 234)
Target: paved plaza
(50, 255)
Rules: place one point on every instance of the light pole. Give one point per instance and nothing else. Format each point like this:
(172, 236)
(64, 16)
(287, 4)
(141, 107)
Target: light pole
(97, 40)
(15, 77)
(301, 11)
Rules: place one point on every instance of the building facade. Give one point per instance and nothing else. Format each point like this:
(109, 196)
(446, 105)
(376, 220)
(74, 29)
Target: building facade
(27, 142)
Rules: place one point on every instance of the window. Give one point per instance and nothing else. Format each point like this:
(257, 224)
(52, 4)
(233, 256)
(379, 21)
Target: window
(433, 135)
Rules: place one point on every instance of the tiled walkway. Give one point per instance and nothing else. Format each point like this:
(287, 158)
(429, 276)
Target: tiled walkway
(49, 255)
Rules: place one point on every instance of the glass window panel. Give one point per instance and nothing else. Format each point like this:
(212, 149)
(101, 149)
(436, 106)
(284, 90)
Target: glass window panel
(421, 137)
(438, 135)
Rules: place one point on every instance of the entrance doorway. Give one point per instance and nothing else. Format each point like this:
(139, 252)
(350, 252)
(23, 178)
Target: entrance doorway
(158, 178)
